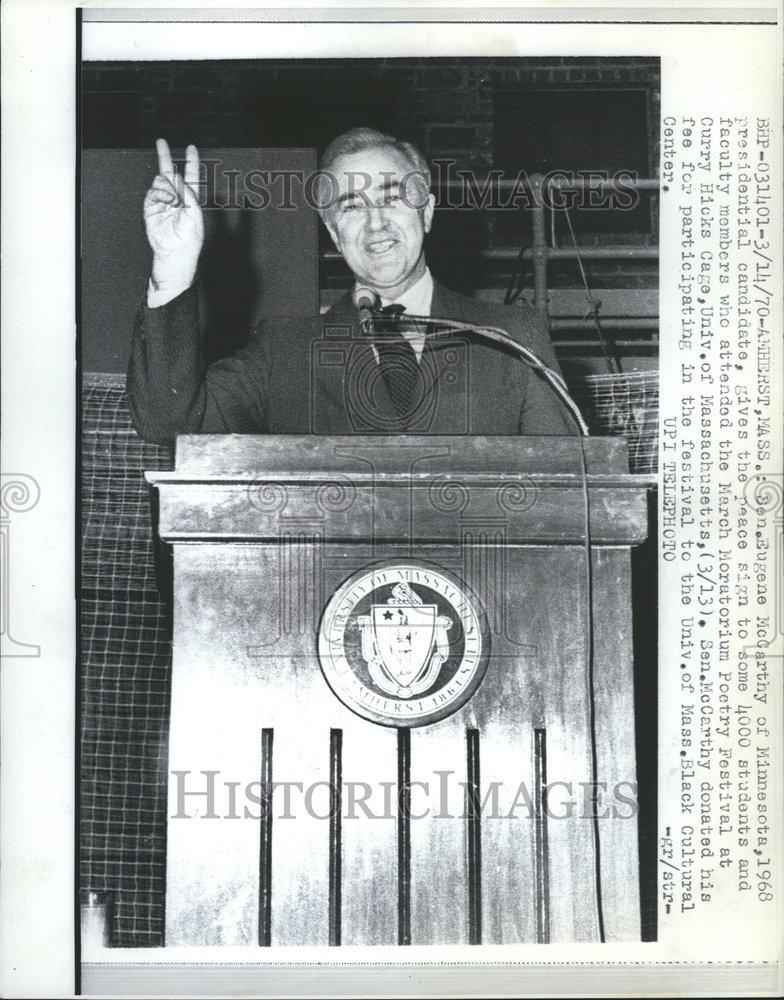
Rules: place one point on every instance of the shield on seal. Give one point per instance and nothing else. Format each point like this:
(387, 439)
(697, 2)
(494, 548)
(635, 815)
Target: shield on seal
(403, 635)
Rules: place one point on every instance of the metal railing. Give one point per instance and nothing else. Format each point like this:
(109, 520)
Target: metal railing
(543, 252)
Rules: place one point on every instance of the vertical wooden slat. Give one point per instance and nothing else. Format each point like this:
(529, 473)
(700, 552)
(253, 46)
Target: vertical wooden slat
(571, 844)
(474, 836)
(265, 841)
(369, 833)
(540, 838)
(615, 754)
(303, 718)
(335, 834)
(574, 910)
(506, 778)
(404, 837)
(439, 885)
(212, 890)
(502, 711)
(543, 687)
(508, 915)
(300, 848)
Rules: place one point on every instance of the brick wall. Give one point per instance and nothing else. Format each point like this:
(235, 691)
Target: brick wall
(444, 104)
(447, 106)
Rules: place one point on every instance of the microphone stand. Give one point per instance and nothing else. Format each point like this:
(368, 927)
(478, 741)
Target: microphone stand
(493, 333)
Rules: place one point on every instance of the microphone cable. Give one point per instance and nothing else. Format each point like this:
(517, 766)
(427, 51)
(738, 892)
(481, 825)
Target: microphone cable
(446, 328)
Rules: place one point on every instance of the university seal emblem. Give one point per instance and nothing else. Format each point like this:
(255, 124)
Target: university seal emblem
(403, 644)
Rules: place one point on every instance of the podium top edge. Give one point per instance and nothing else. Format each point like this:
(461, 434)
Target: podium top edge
(300, 457)
(615, 481)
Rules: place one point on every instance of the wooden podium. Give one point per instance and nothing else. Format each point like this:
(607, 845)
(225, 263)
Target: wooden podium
(387, 726)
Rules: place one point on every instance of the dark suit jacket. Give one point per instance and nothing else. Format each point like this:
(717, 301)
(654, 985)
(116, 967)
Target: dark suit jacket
(320, 376)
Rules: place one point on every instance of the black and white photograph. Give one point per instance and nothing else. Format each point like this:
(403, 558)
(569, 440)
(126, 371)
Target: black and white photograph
(369, 413)
(392, 499)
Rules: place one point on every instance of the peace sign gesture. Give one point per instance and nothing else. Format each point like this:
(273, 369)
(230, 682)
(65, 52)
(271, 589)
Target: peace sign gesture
(173, 220)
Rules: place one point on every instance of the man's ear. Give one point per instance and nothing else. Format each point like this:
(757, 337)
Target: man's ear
(429, 208)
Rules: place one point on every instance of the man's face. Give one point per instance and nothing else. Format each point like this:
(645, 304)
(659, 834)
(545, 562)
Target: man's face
(380, 217)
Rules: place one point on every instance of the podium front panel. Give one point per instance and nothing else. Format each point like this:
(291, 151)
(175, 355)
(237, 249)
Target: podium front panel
(320, 795)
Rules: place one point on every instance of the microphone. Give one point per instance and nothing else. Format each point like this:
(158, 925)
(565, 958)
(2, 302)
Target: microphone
(365, 300)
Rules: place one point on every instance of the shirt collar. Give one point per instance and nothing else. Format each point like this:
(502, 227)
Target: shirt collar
(418, 301)
(418, 298)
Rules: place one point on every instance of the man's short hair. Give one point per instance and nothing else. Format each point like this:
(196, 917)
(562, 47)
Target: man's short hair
(358, 139)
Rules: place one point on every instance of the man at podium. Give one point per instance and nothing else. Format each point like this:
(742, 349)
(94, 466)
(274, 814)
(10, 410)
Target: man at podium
(348, 371)
(492, 633)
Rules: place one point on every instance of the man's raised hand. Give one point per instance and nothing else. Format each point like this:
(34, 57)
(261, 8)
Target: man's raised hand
(173, 220)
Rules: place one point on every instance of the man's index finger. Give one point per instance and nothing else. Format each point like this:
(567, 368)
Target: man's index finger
(165, 165)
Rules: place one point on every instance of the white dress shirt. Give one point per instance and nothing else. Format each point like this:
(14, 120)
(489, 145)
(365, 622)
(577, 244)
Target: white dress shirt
(159, 297)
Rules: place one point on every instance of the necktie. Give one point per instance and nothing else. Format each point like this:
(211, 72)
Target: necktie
(397, 361)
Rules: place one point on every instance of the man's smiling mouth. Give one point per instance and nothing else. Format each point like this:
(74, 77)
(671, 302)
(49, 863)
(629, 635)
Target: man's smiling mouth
(380, 247)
